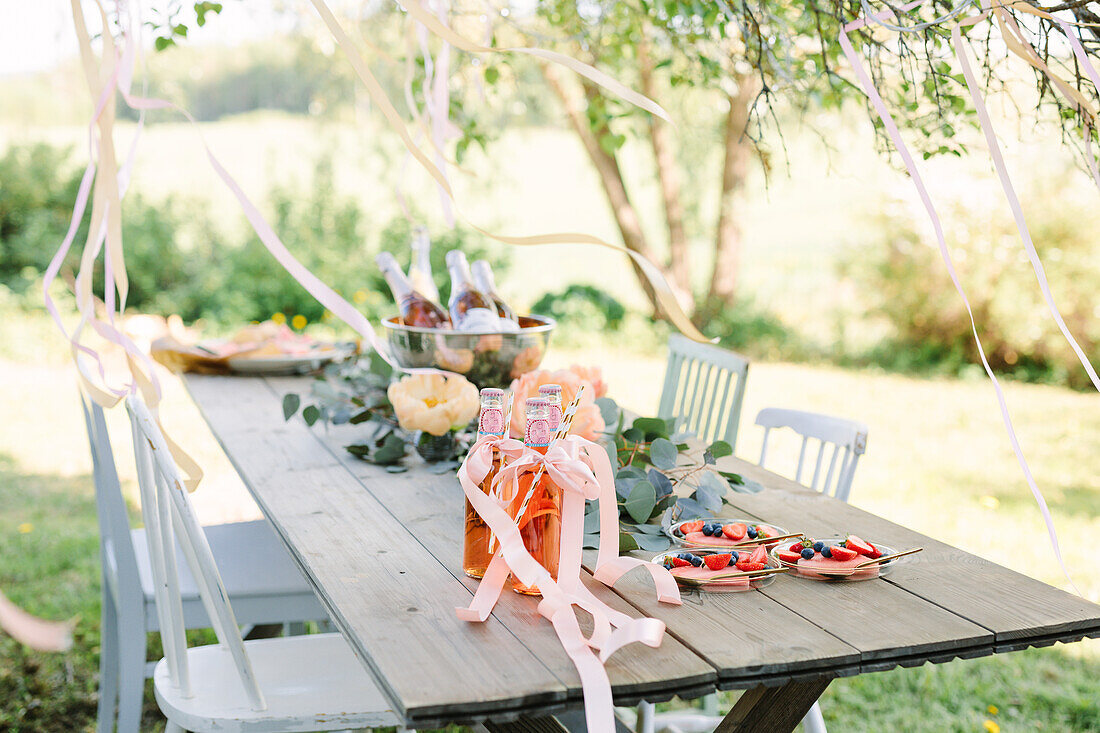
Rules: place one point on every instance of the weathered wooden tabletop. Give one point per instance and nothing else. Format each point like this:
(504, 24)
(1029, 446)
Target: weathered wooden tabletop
(383, 552)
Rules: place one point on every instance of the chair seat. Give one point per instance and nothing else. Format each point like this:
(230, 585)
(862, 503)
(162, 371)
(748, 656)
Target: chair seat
(264, 584)
(304, 679)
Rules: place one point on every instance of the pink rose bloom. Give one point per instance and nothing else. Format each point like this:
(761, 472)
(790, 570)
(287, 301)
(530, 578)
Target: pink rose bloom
(593, 375)
(587, 422)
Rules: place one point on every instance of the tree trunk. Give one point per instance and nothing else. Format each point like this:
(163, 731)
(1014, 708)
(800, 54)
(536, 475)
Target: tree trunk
(679, 259)
(725, 277)
(611, 177)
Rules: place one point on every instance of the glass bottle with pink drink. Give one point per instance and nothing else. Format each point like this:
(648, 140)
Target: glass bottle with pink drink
(552, 393)
(540, 521)
(475, 547)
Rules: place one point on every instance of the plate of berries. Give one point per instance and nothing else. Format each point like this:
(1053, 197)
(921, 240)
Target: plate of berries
(720, 569)
(836, 558)
(715, 532)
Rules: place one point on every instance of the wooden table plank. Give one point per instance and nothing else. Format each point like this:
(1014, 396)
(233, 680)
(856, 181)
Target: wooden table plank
(389, 595)
(431, 507)
(1018, 610)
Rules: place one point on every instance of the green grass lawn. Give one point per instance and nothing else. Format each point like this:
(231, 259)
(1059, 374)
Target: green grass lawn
(933, 444)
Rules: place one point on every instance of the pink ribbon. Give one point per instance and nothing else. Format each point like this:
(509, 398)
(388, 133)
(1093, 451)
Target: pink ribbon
(577, 471)
(914, 172)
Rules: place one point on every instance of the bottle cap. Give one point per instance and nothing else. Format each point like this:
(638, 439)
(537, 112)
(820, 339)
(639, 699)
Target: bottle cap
(554, 389)
(456, 257)
(492, 392)
(537, 402)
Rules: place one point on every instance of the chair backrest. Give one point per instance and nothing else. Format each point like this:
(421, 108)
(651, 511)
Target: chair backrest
(120, 568)
(169, 516)
(848, 439)
(704, 389)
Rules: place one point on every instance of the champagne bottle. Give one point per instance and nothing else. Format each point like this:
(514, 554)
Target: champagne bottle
(471, 309)
(483, 279)
(413, 308)
(420, 271)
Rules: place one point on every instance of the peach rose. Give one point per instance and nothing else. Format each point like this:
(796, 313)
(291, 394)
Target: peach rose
(593, 375)
(587, 422)
(434, 403)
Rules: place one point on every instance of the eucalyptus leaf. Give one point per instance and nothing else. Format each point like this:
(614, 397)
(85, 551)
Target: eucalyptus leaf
(591, 542)
(624, 486)
(660, 482)
(652, 427)
(663, 505)
(640, 503)
(311, 414)
(626, 543)
(663, 453)
(733, 478)
(608, 410)
(291, 403)
(690, 509)
(397, 468)
(630, 471)
(651, 543)
(748, 487)
(709, 498)
(708, 458)
(713, 481)
(648, 528)
(634, 435)
(720, 449)
(592, 522)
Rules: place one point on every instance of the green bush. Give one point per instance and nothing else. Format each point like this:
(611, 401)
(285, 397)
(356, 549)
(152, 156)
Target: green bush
(906, 285)
(582, 307)
(177, 262)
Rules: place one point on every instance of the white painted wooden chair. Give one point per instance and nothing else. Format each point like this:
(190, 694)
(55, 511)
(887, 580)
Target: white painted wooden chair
(848, 441)
(704, 389)
(264, 583)
(846, 438)
(300, 683)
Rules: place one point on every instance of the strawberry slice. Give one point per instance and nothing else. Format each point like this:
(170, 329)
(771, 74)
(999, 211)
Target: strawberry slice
(748, 567)
(679, 562)
(735, 531)
(875, 552)
(789, 557)
(797, 546)
(860, 546)
(842, 553)
(764, 531)
(760, 554)
(717, 562)
(695, 526)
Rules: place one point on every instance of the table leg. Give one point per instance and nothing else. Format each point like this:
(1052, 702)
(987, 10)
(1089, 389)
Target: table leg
(773, 708)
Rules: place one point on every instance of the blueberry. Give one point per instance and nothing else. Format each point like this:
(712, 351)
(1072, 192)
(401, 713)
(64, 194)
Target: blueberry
(734, 556)
(707, 530)
(752, 533)
(818, 545)
(684, 556)
(668, 565)
(695, 560)
(827, 552)
(807, 553)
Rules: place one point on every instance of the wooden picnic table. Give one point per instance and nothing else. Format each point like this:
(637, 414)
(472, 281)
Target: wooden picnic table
(383, 551)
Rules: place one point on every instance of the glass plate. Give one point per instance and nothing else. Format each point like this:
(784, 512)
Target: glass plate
(840, 574)
(731, 585)
(673, 531)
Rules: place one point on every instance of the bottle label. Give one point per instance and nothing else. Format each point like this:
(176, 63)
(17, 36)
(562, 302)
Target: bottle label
(537, 434)
(555, 417)
(479, 319)
(491, 422)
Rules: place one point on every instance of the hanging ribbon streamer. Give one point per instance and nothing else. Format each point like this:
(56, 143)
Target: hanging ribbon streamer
(918, 181)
